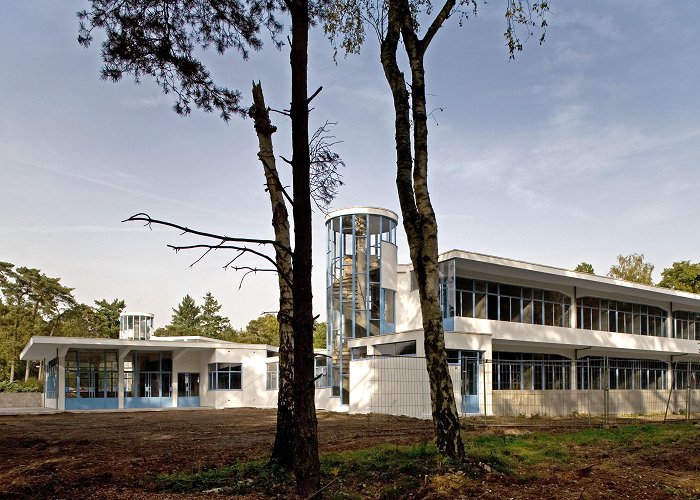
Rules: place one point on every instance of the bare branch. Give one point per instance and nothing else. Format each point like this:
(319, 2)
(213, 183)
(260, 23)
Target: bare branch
(283, 112)
(251, 270)
(273, 173)
(318, 91)
(325, 165)
(186, 230)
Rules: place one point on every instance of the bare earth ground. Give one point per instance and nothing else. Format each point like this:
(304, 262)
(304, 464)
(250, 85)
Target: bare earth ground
(117, 455)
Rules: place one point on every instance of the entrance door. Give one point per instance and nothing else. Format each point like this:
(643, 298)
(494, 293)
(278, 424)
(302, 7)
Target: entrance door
(470, 382)
(188, 389)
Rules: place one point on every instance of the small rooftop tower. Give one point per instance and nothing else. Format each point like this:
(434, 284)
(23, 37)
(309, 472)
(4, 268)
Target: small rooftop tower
(135, 325)
(360, 281)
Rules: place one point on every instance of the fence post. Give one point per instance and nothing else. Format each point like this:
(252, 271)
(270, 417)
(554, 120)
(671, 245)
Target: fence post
(606, 393)
(483, 364)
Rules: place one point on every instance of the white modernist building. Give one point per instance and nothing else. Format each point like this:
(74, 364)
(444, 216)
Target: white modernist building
(521, 338)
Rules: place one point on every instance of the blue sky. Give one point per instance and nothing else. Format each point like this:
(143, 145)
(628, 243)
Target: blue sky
(580, 149)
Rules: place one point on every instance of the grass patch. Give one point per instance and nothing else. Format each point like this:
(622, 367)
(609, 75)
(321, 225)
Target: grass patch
(501, 450)
(393, 471)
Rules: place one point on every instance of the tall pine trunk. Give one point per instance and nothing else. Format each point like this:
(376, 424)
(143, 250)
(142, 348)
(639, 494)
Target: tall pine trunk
(306, 464)
(283, 449)
(419, 217)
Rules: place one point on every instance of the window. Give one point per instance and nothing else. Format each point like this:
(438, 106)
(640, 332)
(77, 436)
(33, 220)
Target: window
(321, 371)
(621, 317)
(686, 325)
(52, 379)
(686, 375)
(225, 376)
(598, 373)
(455, 356)
(272, 377)
(396, 349)
(503, 302)
(359, 352)
(91, 374)
(513, 371)
(148, 374)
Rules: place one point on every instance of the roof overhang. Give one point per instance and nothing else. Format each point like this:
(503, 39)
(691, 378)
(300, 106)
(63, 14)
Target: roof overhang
(47, 347)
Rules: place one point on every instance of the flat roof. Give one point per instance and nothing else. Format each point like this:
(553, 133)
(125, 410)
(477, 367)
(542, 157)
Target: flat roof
(556, 275)
(40, 347)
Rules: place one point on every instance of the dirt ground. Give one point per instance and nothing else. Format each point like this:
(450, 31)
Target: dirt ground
(113, 455)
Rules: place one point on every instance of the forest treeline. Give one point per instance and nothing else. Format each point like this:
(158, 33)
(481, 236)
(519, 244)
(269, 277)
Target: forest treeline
(32, 303)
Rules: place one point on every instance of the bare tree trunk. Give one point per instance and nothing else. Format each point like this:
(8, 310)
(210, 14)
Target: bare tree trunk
(26, 370)
(283, 449)
(12, 371)
(419, 217)
(306, 465)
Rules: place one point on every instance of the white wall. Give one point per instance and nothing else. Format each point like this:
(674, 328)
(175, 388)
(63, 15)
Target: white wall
(252, 393)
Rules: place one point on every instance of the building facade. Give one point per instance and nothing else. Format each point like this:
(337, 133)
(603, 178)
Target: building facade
(521, 338)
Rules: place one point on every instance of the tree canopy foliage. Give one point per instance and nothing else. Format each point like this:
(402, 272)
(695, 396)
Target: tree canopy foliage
(32, 303)
(632, 268)
(584, 267)
(683, 276)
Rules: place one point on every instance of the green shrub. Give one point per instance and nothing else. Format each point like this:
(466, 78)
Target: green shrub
(31, 385)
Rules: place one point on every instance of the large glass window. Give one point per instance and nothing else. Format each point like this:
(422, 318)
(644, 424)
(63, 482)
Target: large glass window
(686, 375)
(514, 371)
(686, 325)
(622, 317)
(504, 302)
(91, 374)
(148, 374)
(599, 373)
(187, 385)
(225, 376)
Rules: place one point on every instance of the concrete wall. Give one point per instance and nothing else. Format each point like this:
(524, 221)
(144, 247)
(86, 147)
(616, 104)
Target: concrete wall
(21, 400)
(252, 392)
(620, 403)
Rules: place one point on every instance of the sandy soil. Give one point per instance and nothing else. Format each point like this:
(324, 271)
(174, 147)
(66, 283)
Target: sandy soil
(116, 455)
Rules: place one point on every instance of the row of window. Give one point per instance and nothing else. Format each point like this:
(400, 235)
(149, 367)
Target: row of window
(502, 302)
(621, 317)
(533, 372)
(526, 371)
(497, 301)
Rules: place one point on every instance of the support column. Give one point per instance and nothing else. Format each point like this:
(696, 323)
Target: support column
(61, 395)
(176, 357)
(487, 384)
(669, 321)
(120, 377)
(574, 312)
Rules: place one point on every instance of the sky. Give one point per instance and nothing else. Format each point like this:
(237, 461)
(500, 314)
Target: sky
(582, 148)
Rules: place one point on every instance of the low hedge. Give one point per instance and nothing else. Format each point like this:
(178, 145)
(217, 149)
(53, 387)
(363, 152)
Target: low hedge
(31, 385)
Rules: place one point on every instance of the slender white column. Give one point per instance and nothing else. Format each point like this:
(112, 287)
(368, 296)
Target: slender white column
(120, 382)
(61, 401)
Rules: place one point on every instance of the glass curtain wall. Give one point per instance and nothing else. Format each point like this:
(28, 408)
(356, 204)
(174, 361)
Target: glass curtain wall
(91, 379)
(686, 325)
(471, 298)
(622, 317)
(148, 379)
(358, 304)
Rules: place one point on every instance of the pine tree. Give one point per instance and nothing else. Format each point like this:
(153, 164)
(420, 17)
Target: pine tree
(187, 319)
(212, 323)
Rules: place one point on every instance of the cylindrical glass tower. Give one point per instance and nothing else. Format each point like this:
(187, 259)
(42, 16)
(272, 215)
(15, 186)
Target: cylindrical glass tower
(361, 283)
(135, 325)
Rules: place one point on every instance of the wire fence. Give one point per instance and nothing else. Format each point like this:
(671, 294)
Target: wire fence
(542, 392)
